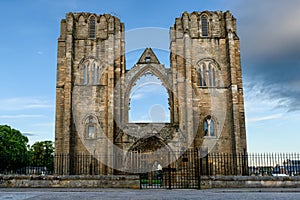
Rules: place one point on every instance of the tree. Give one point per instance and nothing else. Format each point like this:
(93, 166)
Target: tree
(13, 149)
(42, 155)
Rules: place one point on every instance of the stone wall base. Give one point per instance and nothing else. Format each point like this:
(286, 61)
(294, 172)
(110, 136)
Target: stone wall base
(250, 182)
(133, 182)
(13, 181)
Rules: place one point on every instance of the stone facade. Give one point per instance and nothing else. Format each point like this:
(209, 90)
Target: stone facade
(204, 85)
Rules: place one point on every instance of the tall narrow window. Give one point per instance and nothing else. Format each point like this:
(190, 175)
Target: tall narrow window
(209, 127)
(209, 72)
(212, 128)
(84, 75)
(88, 74)
(204, 75)
(98, 73)
(213, 77)
(200, 77)
(204, 25)
(91, 131)
(205, 127)
(90, 127)
(92, 28)
(95, 74)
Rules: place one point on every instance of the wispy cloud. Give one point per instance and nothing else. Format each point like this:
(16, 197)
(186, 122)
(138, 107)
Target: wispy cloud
(137, 96)
(146, 86)
(271, 60)
(50, 124)
(24, 103)
(265, 118)
(20, 116)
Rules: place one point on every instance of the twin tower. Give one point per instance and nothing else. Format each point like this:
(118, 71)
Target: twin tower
(203, 83)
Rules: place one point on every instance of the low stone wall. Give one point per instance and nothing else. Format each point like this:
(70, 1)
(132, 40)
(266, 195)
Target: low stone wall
(250, 182)
(133, 182)
(13, 181)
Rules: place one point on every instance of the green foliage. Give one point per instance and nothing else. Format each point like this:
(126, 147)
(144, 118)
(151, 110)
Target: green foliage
(13, 148)
(42, 154)
(16, 156)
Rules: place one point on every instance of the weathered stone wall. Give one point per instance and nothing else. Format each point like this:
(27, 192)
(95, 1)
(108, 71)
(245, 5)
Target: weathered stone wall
(250, 182)
(133, 182)
(130, 182)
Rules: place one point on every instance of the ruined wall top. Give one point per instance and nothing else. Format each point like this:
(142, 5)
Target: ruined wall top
(79, 25)
(205, 24)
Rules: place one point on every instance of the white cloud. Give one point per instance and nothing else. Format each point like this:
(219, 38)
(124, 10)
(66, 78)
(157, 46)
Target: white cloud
(20, 116)
(50, 124)
(265, 118)
(24, 103)
(136, 96)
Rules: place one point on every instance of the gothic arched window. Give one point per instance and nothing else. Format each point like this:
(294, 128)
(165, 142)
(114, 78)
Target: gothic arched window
(204, 25)
(90, 72)
(92, 27)
(90, 127)
(209, 127)
(207, 73)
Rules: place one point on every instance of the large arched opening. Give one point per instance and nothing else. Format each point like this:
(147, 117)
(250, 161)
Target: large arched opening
(148, 100)
(148, 95)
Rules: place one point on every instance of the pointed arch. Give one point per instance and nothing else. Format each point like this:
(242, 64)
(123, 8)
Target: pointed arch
(90, 126)
(146, 151)
(208, 73)
(137, 72)
(209, 126)
(90, 71)
(92, 27)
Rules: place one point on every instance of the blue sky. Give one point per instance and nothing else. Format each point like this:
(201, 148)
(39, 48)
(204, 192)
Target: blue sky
(270, 44)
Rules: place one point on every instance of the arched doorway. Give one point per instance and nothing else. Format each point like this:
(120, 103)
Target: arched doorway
(148, 154)
(149, 157)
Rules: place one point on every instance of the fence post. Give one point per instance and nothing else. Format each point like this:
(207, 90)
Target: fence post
(169, 169)
(244, 163)
(197, 159)
(206, 164)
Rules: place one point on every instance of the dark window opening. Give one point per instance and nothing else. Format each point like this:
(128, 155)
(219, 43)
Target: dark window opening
(92, 28)
(204, 24)
(209, 127)
(200, 77)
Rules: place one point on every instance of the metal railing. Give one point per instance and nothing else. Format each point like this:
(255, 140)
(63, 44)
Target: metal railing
(190, 164)
(26, 165)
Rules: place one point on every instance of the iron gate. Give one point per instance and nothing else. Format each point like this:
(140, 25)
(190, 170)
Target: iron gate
(184, 173)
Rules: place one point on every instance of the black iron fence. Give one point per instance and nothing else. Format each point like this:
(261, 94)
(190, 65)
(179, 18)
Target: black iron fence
(26, 164)
(186, 168)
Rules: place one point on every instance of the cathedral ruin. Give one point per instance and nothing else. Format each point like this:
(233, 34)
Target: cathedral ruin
(203, 84)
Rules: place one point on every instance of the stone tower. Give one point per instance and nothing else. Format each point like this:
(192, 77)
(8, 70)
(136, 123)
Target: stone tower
(90, 62)
(207, 78)
(204, 86)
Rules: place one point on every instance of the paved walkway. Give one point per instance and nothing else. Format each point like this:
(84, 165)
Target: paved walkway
(81, 194)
